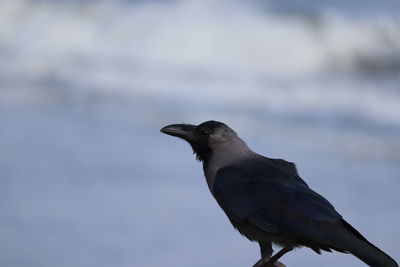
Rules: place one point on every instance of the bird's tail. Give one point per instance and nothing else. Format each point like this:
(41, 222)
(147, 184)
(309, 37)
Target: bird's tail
(360, 247)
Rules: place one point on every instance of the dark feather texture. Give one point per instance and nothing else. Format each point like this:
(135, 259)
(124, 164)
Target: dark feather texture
(267, 201)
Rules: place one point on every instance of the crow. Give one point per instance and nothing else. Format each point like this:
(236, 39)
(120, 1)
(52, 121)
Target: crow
(266, 200)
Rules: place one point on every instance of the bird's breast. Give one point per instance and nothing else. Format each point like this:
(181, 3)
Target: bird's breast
(210, 174)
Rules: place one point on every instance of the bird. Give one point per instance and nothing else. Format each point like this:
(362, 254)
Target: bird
(267, 201)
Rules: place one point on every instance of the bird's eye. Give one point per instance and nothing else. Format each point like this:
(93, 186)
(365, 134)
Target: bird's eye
(204, 132)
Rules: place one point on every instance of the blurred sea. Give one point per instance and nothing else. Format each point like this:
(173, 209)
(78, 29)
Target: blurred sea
(86, 177)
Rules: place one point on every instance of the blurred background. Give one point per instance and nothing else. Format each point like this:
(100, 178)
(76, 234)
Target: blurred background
(86, 177)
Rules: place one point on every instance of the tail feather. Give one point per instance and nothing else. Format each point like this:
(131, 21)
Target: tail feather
(360, 247)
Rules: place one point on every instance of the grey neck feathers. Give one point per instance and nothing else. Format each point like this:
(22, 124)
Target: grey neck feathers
(224, 155)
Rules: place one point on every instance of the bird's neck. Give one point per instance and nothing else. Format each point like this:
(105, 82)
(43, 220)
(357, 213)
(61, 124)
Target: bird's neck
(203, 153)
(223, 156)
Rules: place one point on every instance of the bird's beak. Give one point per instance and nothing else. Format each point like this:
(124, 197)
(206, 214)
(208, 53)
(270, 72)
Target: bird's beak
(184, 131)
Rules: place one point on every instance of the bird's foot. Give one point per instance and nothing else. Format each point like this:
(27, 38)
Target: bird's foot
(267, 263)
(279, 264)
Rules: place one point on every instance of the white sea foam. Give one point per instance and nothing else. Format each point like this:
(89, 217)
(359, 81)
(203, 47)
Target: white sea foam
(191, 34)
(205, 50)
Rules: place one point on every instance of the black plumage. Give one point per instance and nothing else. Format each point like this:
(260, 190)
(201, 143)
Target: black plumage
(266, 200)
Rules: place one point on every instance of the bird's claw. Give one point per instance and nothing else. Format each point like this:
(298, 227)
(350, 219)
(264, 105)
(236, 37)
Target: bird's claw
(263, 263)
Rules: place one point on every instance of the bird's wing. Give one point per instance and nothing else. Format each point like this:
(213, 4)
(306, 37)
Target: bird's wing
(285, 168)
(273, 198)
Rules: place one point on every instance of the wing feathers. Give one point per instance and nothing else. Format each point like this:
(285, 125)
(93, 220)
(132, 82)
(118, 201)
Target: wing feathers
(273, 200)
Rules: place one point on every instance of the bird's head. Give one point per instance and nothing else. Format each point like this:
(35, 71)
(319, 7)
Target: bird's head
(204, 138)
